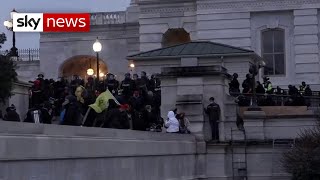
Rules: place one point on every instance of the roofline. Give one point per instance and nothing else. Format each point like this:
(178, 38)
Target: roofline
(225, 45)
(253, 54)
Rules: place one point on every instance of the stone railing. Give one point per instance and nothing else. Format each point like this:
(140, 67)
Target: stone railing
(102, 18)
(25, 54)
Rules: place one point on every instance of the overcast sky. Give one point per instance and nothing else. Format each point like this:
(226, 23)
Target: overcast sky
(31, 40)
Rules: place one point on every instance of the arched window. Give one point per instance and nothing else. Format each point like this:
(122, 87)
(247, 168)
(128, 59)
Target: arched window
(175, 36)
(273, 51)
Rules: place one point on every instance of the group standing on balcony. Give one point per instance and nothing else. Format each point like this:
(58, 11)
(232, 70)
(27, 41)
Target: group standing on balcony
(269, 96)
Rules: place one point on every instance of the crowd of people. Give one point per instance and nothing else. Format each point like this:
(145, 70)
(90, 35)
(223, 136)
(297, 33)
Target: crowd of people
(133, 103)
(269, 96)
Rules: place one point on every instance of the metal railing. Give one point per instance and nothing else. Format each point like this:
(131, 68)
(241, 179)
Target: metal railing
(103, 18)
(279, 100)
(25, 54)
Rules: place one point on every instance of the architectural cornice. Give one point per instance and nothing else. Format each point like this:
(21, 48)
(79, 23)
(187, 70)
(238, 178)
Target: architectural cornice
(49, 37)
(256, 4)
(169, 9)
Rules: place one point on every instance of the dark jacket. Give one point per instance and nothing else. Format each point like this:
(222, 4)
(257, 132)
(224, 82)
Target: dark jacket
(127, 87)
(213, 110)
(11, 116)
(38, 115)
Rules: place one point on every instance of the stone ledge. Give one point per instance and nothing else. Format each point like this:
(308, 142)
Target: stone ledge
(16, 128)
(45, 147)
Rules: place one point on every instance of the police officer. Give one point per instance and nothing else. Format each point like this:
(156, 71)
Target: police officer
(267, 85)
(112, 84)
(127, 86)
(303, 87)
(144, 83)
(154, 83)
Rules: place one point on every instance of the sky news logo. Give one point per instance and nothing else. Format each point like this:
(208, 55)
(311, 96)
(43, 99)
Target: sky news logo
(51, 22)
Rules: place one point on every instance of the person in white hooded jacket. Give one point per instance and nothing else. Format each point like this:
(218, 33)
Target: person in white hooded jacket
(172, 124)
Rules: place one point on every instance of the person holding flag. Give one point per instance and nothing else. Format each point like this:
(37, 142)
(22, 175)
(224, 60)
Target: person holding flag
(95, 110)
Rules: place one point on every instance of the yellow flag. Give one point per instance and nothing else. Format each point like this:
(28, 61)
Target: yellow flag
(102, 101)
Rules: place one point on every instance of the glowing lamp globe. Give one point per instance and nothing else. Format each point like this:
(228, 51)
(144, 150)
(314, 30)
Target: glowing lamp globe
(90, 72)
(132, 65)
(101, 74)
(8, 24)
(97, 46)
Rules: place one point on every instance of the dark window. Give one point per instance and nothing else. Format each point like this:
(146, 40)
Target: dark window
(175, 36)
(273, 45)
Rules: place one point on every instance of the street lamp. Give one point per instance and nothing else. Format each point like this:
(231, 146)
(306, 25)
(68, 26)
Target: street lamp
(90, 71)
(97, 48)
(9, 25)
(254, 70)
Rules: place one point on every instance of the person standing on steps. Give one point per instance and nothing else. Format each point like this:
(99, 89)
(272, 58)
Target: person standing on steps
(213, 110)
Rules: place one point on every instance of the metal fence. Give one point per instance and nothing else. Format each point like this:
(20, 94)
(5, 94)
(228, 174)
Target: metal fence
(25, 54)
(279, 100)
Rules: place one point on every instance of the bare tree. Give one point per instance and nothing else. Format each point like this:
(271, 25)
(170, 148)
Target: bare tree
(303, 160)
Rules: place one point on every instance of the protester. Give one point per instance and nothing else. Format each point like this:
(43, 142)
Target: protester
(184, 124)
(11, 114)
(172, 124)
(234, 85)
(72, 113)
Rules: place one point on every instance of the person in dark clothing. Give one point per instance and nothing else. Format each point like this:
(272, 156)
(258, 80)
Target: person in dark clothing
(260, 93)
(137, 104)
(46, 111)
(34, 115)
(149, 118)
(127, 87)
(247, 85)
(72, 113)
(308, 94)
(112, 84)
(42, 83)
(260, 89)
(213, 111)
(279, 98)
(37, 93)
(75, 83)
(116, 117)
(308, 91)
(155, 84)
(234, 85)
(143, 84)
(11, 114)
(39, 114)
(292, 90)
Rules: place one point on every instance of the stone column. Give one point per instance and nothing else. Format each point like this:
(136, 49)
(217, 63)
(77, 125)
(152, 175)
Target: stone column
(189, 88)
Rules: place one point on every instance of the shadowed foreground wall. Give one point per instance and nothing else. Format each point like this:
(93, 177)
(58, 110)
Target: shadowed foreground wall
(51, 152)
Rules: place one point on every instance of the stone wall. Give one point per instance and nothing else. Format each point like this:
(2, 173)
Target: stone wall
(20, 98)
(72, 153)
(28, 70)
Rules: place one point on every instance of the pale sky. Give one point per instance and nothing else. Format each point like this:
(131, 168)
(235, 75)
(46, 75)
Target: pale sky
(31, 40)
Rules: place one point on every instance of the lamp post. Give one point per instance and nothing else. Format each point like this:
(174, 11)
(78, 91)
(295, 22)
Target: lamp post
(90, 71)
(97, 48)
(254, 70)
(9, 25)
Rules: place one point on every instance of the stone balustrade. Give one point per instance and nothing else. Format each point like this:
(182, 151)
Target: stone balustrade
(103, 18)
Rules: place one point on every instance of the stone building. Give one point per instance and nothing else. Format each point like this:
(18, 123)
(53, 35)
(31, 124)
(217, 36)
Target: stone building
(283, 32)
